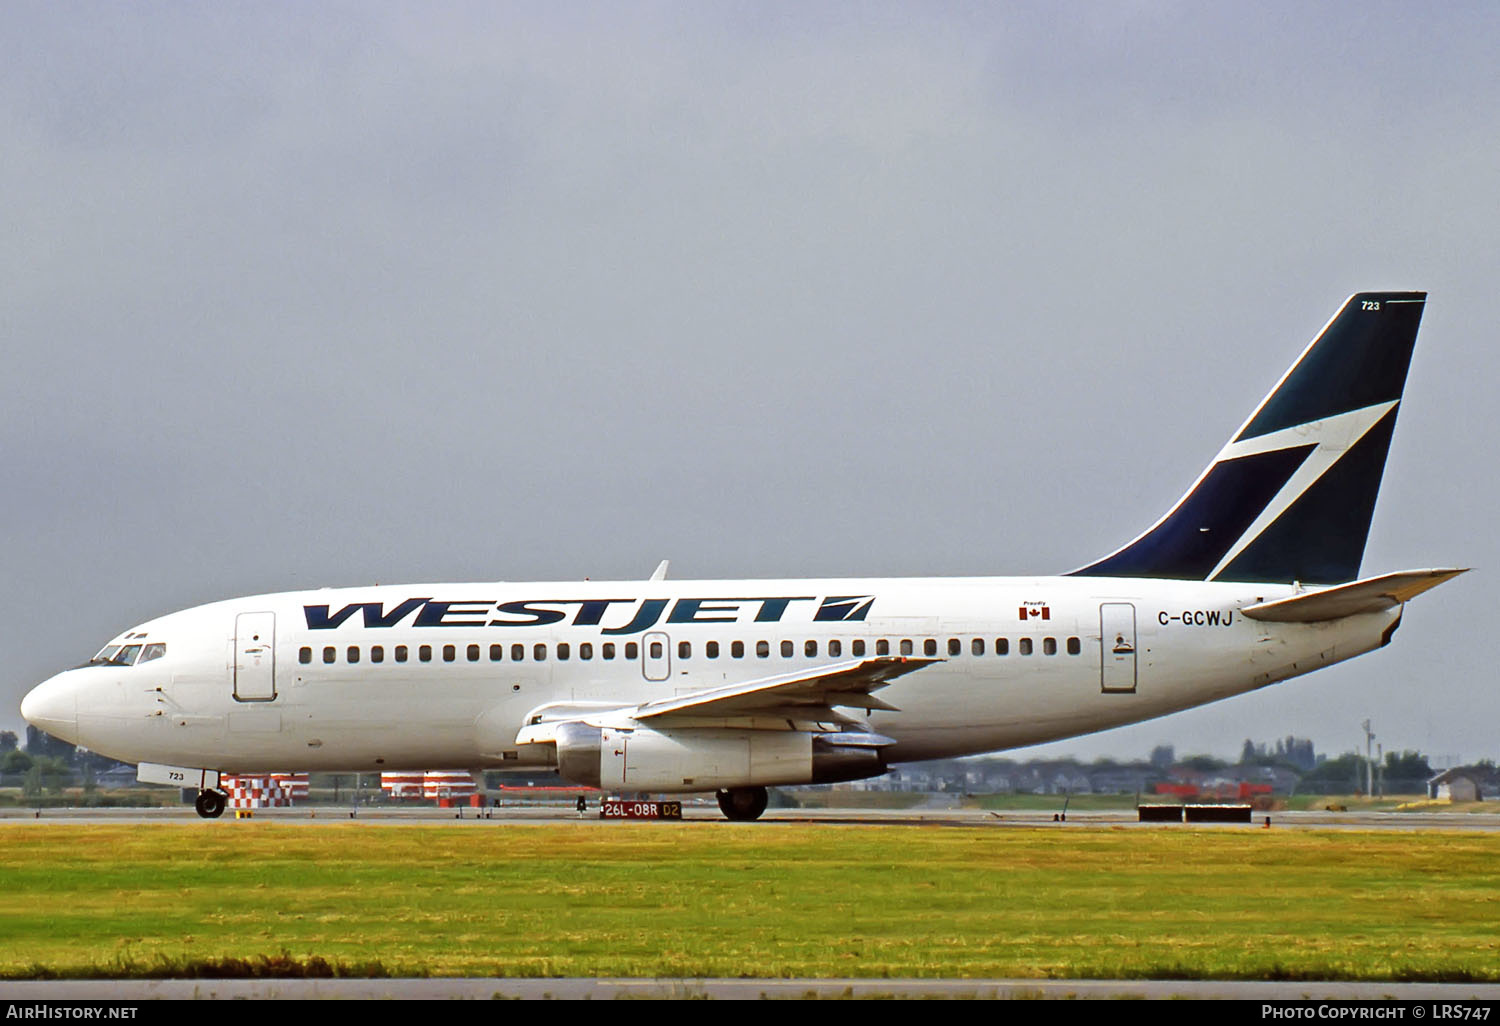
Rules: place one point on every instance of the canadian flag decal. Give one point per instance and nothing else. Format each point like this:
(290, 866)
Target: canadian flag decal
(1036, 612)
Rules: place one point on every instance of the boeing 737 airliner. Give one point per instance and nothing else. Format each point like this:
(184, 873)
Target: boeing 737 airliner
(735, 686)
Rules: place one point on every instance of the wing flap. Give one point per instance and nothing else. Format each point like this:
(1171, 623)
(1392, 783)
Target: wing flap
(1371, 595)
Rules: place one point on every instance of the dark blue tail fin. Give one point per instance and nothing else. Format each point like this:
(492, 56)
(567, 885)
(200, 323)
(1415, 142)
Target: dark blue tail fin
(1291, 496)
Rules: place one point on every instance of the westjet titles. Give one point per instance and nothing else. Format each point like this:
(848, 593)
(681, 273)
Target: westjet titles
(590, 612)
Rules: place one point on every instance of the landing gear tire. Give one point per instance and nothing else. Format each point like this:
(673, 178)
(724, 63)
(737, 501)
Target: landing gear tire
(743, 804)
(210, 804)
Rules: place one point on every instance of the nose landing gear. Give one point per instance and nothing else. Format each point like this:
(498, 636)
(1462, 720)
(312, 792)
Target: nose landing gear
(210, 804)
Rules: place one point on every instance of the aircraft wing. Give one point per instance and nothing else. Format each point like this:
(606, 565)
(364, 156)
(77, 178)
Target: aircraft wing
(807, 694)
(840, 684)
(1370, 595)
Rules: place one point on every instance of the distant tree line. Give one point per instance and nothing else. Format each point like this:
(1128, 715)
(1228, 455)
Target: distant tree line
(47, 764)
(1288, 764)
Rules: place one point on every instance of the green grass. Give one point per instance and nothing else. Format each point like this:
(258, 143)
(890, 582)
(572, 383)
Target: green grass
(718, 899)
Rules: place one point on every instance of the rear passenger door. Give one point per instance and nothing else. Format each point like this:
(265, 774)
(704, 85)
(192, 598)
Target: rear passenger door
(1117, 664)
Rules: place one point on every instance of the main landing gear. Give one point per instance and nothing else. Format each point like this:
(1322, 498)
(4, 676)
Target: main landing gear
(743, 804)
(210, 804)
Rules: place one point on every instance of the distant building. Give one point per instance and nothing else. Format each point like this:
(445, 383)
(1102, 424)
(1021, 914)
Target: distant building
(116, 776)
(1185, 775)
(1121, 780)
(1280, 779)
(1462, 784)
(1232, 783)
(1053, 778)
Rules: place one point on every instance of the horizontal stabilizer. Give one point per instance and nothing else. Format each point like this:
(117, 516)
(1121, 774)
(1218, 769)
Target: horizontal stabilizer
(1371, 595)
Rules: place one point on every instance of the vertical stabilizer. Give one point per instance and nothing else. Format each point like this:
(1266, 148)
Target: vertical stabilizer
(1291, 496)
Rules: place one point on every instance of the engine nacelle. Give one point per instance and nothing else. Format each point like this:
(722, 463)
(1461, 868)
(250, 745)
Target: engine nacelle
(708, 759)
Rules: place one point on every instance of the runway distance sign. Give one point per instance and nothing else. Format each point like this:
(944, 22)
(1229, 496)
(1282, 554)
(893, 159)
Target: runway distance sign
(615, 808)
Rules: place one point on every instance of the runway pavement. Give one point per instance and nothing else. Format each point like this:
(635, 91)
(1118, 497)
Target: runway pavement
(708, 812)
(572, 989)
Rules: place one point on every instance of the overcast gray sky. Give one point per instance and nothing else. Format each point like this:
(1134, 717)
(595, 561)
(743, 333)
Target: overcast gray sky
(324, 294)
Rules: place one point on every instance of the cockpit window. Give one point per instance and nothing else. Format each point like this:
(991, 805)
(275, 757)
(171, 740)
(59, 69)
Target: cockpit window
(126, 656)
(155, 650)
(105, 654)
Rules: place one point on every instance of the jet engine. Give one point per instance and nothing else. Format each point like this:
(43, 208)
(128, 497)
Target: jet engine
(709, 759)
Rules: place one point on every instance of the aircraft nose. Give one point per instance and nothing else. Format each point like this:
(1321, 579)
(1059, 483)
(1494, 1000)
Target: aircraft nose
(53, 706)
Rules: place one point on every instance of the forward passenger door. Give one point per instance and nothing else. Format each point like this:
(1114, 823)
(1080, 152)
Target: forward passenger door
(255, 657)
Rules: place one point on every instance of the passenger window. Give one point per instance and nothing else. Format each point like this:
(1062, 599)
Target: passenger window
(424, 653)
(1049, 646)
(977, 646)
(632, 650)
(330, 654)
(400, 653)
(449, 653)
(684, 650)
(517, 653)
(737, 649)
(882, 647)
(786, 650)
(585, 651)
(609, 650)
(1002, 646)
(955, 647)
(473, 653)
(304, 654)
(711, 649)
(153, 651)
(377, 654)
(353, 653)
(539, 652)
(810, 649)
(857, 647)
(762, 649)
(497, 653)
(835, 648)
(563, 650)
(1074, 646)
(906, 646)
(1025, 644)
(929, 647)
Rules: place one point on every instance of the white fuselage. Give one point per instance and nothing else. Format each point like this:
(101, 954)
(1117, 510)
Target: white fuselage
(337, 679)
